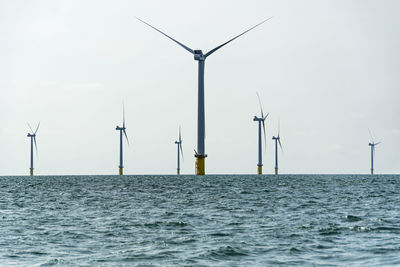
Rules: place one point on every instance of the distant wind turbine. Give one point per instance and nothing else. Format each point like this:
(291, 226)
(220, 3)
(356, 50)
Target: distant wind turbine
(200, 57)
(277, 140)
(32, 135)
(180, 152)
(260, 121)
(122, 130)
(372, 144)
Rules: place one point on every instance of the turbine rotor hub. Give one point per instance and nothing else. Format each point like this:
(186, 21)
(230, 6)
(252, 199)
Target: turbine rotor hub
(198, 55)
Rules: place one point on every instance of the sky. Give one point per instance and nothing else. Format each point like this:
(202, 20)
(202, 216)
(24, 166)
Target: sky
(328, 70)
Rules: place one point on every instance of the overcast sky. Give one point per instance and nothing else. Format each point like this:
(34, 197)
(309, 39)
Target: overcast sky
(328, 69)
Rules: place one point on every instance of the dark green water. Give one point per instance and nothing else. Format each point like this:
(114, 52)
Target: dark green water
(227, 220)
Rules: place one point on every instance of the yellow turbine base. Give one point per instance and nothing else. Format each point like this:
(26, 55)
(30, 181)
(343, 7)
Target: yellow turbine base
(121, 170)
(372, 172)
(259, 169)
(276, 170)
(31, 172)
(178, 172)
(200, 165)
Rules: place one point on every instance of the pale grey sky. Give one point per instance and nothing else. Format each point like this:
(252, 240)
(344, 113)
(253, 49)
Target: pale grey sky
(328, 69)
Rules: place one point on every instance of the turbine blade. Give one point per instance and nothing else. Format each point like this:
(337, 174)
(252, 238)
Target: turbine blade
(180, 148)
(259, 101)
(370, 134)
(266, 116)
(279, 141)
(279, 126)
(378, 143)
(37, 128)
(180, 139)
(123, 115)
(30, 128)
(265, 136)
(184, 46)
(34, 139)
(218, 47)
(126, 136)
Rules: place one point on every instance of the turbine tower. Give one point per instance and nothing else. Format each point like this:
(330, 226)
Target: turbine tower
(200, 154)
(372, 144)
(277, 140)
(180, 152)
(260, 121)
(32, 135)
(121, 130)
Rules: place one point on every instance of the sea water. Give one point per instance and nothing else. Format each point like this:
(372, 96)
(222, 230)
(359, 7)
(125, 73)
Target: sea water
(215, 220)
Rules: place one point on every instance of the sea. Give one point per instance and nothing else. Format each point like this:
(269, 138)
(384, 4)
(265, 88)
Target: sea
(212, 220)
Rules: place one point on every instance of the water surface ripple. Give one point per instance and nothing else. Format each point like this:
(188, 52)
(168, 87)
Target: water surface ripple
(216, 220)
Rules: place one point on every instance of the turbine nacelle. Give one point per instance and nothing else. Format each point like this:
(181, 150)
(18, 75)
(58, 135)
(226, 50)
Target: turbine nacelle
(31, 135)
(198, 55)
(374, 144)
(275, 138)
(259, 119)
(120, 128)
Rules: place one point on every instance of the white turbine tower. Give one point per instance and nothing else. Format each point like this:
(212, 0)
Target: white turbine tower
(372, 144)
(277, 140)
(260, 121)
(180, 152)
(122, 130)
(32, 135)
(200, 154)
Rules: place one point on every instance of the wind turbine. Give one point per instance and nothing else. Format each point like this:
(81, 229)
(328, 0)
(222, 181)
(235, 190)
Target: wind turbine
(33, 140)
(121, 130)
(180, 152)
(200, 154)
(277, 140)
(372, 144)
(260, 121)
